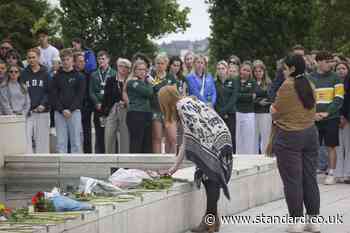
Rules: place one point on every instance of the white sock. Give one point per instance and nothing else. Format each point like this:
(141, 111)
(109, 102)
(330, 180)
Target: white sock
(330, 172)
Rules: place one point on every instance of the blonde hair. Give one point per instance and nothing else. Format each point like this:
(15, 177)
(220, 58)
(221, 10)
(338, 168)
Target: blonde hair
(124, 62)
(201, 57)
(222, 62)
(168, 97)
(162, 57)
(266, 81)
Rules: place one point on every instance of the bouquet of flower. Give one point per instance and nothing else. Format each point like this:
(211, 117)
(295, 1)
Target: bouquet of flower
(5, 212)
(41, 204)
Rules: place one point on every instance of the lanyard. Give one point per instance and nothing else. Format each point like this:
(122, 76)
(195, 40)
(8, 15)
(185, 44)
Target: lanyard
(102, 77)
(203, 86)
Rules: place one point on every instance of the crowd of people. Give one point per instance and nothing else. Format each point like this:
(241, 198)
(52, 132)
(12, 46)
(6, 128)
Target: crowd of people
(72, 88)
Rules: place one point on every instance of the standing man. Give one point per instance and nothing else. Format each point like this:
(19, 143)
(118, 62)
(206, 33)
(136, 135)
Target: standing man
(329, 99)
(68, 90)
(97, 90)
(48, 52)
(89, 56)
(87, 106)
(36, 78)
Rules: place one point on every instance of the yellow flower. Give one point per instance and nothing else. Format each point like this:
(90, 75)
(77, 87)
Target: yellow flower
(2, 207)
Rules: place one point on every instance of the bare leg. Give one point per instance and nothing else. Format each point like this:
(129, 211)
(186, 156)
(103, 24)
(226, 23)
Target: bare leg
(157, 136)
(332, 156)
(170, 146)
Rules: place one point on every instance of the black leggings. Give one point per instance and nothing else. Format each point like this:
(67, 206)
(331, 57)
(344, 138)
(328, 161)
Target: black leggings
(231, 124)
(140, 131)
(212, 190)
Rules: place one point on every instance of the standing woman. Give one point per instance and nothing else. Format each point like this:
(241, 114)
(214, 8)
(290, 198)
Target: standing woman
(342, 171)
(262, 106)
(200, 83)
(114, 109)
(16, 92)
(295, 143)
(206, 141)
(233, 70)
(227, 90)
(175, 68)
(245, 116)
(188, 66)
(161, 79)
(139, 116)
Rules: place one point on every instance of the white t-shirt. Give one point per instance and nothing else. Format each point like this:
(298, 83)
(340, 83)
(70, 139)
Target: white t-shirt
(48, 55)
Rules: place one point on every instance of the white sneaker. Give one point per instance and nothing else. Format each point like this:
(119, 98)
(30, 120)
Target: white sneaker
(312, 227)
(330, 180)
(296, 227)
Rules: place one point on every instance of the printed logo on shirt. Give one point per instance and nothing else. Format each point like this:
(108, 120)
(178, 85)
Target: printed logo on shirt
(35, 83)
(135, 84)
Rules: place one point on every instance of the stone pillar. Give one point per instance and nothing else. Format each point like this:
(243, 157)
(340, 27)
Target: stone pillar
(12, 136)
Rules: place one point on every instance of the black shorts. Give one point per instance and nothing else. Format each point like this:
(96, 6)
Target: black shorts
(328, 132)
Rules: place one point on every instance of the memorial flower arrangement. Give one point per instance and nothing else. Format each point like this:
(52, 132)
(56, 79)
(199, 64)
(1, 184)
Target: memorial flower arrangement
(41, 204)
(5, 212)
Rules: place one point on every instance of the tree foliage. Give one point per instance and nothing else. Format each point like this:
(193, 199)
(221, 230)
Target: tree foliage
(259, 29)
(331, 26)
(122, 27)
(19, 20)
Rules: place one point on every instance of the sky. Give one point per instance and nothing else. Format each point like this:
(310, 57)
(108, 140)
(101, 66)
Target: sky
(198, 17)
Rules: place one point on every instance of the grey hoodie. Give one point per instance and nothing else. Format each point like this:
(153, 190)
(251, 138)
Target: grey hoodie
(18, 97)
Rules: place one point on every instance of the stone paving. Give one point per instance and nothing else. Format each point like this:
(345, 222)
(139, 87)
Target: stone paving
(335, 200)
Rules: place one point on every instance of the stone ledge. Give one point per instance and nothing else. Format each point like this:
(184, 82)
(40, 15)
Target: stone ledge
(181, 207)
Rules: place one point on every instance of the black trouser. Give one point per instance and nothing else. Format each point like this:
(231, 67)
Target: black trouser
(231, 124)
(212, 190)
(297, 159)
(52, 118)
(86, 123)
(99, 134)
(140, 131)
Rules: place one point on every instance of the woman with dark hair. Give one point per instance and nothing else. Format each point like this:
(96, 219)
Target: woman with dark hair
(13, 58)
(211, 153)
(175, 68)
(295, 143)
(342, 171)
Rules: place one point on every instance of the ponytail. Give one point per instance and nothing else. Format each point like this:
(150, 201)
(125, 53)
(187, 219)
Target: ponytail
(301, 84)
(305, 92)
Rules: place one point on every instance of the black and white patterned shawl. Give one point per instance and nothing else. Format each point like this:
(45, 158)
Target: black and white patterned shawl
(207, 142)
